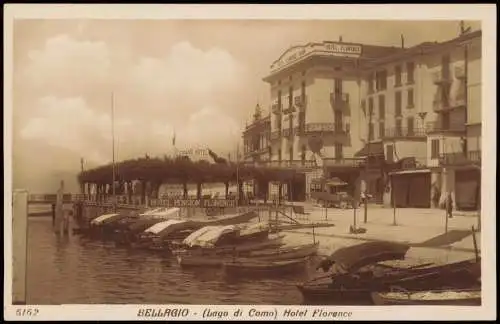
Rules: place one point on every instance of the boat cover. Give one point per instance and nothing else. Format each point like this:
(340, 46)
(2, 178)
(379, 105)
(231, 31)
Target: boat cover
(354, 257)
(208, 237)
(152, 211)
(254, 228)
(159, 227)
(100, 219)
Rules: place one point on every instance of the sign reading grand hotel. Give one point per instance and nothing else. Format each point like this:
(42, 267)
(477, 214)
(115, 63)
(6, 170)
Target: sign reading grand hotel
(326, 48)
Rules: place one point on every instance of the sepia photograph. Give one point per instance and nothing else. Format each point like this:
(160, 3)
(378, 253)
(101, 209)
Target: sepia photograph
(270, 168)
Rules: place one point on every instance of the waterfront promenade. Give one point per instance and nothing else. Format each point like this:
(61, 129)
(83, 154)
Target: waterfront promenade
(413, 226)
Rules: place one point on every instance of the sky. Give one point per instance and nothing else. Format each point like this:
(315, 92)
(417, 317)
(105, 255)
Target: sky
(198, 79)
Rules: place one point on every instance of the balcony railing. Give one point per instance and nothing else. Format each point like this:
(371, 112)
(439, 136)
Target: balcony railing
(276, 109)
(441, 77)
(300, 102)
(346, 162)
(339, 100)
(275, 135)
(404, 132)
(460, 72)
(460, 158)
(288, 132)
(326, 128)
(440, 127)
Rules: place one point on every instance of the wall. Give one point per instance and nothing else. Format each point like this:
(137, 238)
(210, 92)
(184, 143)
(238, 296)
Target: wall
(474, 83)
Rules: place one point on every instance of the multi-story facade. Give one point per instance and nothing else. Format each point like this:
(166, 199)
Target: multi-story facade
(344, 102)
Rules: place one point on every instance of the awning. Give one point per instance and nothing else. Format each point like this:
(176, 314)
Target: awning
(371, 149)
(352, 258)
(410, 171)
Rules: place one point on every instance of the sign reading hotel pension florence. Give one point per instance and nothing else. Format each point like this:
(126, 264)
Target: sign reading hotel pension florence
(326, 48)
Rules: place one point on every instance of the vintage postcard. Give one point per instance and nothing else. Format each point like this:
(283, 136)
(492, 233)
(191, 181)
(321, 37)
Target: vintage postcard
(250, 162)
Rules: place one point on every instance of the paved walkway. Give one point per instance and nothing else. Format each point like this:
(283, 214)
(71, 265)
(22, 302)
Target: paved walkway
(413, 226)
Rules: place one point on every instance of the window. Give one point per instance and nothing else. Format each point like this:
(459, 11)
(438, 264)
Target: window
(303, 89)
(410, 121)
(370, 132)
(279, 99)
(381, 106)
(338, 151)
(399, 130)
(270, 151)
(290, 97)
(338, 87)
(410, 72)
(398, 103)
(370, 83)
(338, 119)
(381, 80)
(291, 153)
(381, 129)
(411, 103)
(445, 71)
(279, 155)
(397, 75)
(303, 154)
(434, 149)
(390, 153)
(370, 107)
(445, 120)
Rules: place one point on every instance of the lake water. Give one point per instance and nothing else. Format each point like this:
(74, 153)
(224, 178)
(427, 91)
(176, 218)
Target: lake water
(72, 269)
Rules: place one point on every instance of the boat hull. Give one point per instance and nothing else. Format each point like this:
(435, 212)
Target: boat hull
(241, 267)
(412, 299)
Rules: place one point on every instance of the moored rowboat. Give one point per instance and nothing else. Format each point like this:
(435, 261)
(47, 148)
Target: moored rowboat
(259, 267)
(462, 297)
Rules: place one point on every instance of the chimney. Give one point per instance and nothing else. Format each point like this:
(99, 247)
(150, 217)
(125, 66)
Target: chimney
(340, 39)
(402, 41)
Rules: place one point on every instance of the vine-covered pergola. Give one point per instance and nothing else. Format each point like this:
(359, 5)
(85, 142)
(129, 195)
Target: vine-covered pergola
(151, 173)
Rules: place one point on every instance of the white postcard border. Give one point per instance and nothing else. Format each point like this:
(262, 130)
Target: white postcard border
(485, 13)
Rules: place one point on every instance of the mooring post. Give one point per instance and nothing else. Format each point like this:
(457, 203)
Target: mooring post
(19, 248)
(59, 208)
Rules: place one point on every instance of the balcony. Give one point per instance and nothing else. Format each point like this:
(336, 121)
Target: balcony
(343, 162)
(300, 102)
(460, 72)
(443, 128)
(441, 77)
(339, 100)
(276, 109)
(289, 132)
(445, 104)
(404, 132)
(289, 110)
(326, 128)
(460, 158)
(276, 135)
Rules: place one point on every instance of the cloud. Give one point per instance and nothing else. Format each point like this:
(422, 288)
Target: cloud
(188, 77)
(70, 124)
(68, 83)
(66, 65)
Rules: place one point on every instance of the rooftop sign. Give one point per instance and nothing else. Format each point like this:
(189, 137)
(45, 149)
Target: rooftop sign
(326, 48)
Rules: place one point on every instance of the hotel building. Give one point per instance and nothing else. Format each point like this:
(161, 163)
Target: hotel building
(336, 104)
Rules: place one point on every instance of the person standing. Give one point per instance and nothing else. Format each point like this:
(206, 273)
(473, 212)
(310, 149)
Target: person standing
(449, 205)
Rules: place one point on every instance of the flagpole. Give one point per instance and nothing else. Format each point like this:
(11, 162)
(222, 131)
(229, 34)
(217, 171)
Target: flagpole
(113, 145)
(237, 175)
